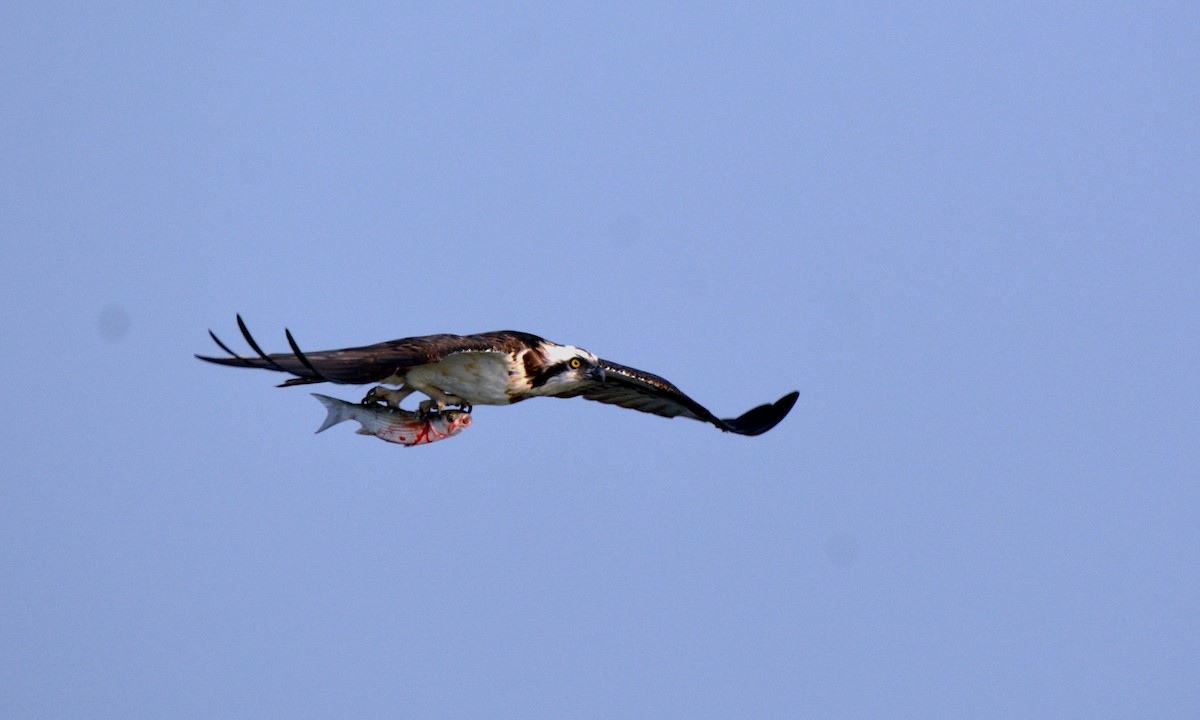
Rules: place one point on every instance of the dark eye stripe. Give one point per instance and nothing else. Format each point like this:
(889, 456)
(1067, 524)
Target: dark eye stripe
(541, 378)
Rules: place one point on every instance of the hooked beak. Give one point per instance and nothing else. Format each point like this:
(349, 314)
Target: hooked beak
(596, 373)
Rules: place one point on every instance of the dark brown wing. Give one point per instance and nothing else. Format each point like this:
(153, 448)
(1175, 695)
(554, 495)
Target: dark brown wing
(369, 363)
(639, 390)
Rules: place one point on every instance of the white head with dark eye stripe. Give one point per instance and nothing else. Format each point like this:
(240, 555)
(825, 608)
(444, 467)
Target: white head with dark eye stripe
(565, 368)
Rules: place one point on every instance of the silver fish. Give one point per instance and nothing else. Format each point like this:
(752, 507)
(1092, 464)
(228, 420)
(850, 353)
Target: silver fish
(392, 424)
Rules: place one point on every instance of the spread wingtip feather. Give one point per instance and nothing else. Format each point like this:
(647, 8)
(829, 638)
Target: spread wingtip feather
(762, 418)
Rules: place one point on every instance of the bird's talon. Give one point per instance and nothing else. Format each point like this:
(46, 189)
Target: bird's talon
(428, 408)
(387, 397)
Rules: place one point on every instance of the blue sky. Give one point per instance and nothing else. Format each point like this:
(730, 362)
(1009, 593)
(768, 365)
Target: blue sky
(969, 236)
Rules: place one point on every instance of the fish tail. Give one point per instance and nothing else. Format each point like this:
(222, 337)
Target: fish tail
(338, 411)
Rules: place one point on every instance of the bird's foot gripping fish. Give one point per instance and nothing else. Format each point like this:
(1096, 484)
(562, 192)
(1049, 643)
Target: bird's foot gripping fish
(395, 425)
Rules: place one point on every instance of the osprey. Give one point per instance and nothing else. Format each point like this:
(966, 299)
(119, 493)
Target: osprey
(492, 368)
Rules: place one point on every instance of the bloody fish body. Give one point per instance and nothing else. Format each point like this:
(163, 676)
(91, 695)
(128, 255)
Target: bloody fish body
(392, 424)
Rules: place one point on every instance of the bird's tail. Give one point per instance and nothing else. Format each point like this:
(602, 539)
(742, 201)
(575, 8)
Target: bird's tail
(339, 411)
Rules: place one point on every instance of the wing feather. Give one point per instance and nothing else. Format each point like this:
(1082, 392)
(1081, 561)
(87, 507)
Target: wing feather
(368, 363)
(646, 392)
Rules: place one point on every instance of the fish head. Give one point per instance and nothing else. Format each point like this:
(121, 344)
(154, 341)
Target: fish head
(456, 419)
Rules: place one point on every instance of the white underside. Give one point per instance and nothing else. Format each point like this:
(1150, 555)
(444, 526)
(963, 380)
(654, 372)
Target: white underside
(479, 378)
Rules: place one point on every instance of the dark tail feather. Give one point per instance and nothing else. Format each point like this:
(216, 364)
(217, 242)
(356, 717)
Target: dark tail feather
(762, 418)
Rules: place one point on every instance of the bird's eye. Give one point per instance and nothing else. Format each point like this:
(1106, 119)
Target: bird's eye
(575, 363)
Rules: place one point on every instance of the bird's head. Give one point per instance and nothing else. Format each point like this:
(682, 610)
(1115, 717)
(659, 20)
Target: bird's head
(565, 368)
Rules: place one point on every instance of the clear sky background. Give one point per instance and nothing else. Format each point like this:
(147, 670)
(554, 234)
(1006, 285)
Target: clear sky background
(967, 233)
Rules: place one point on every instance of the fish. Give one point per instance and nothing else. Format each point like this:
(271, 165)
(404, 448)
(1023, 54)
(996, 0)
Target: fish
(393, 424)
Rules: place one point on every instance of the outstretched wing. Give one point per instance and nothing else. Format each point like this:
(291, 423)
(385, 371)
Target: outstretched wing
(639, 390)
(361, 365)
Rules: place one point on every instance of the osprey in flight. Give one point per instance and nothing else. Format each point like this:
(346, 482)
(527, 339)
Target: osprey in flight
(493, 368)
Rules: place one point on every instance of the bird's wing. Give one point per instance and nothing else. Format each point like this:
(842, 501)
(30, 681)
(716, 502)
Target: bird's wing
(366, 364)
(639, 390)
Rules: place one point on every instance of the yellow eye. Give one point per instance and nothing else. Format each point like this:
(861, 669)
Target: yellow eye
(575, 363)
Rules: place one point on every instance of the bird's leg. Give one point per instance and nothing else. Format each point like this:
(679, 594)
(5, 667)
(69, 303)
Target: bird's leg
(438, 401)
(430, 407)
(387, 396)
(433, 407)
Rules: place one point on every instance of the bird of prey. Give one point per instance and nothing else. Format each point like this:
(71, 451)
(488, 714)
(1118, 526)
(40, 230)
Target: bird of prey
(492, 368)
